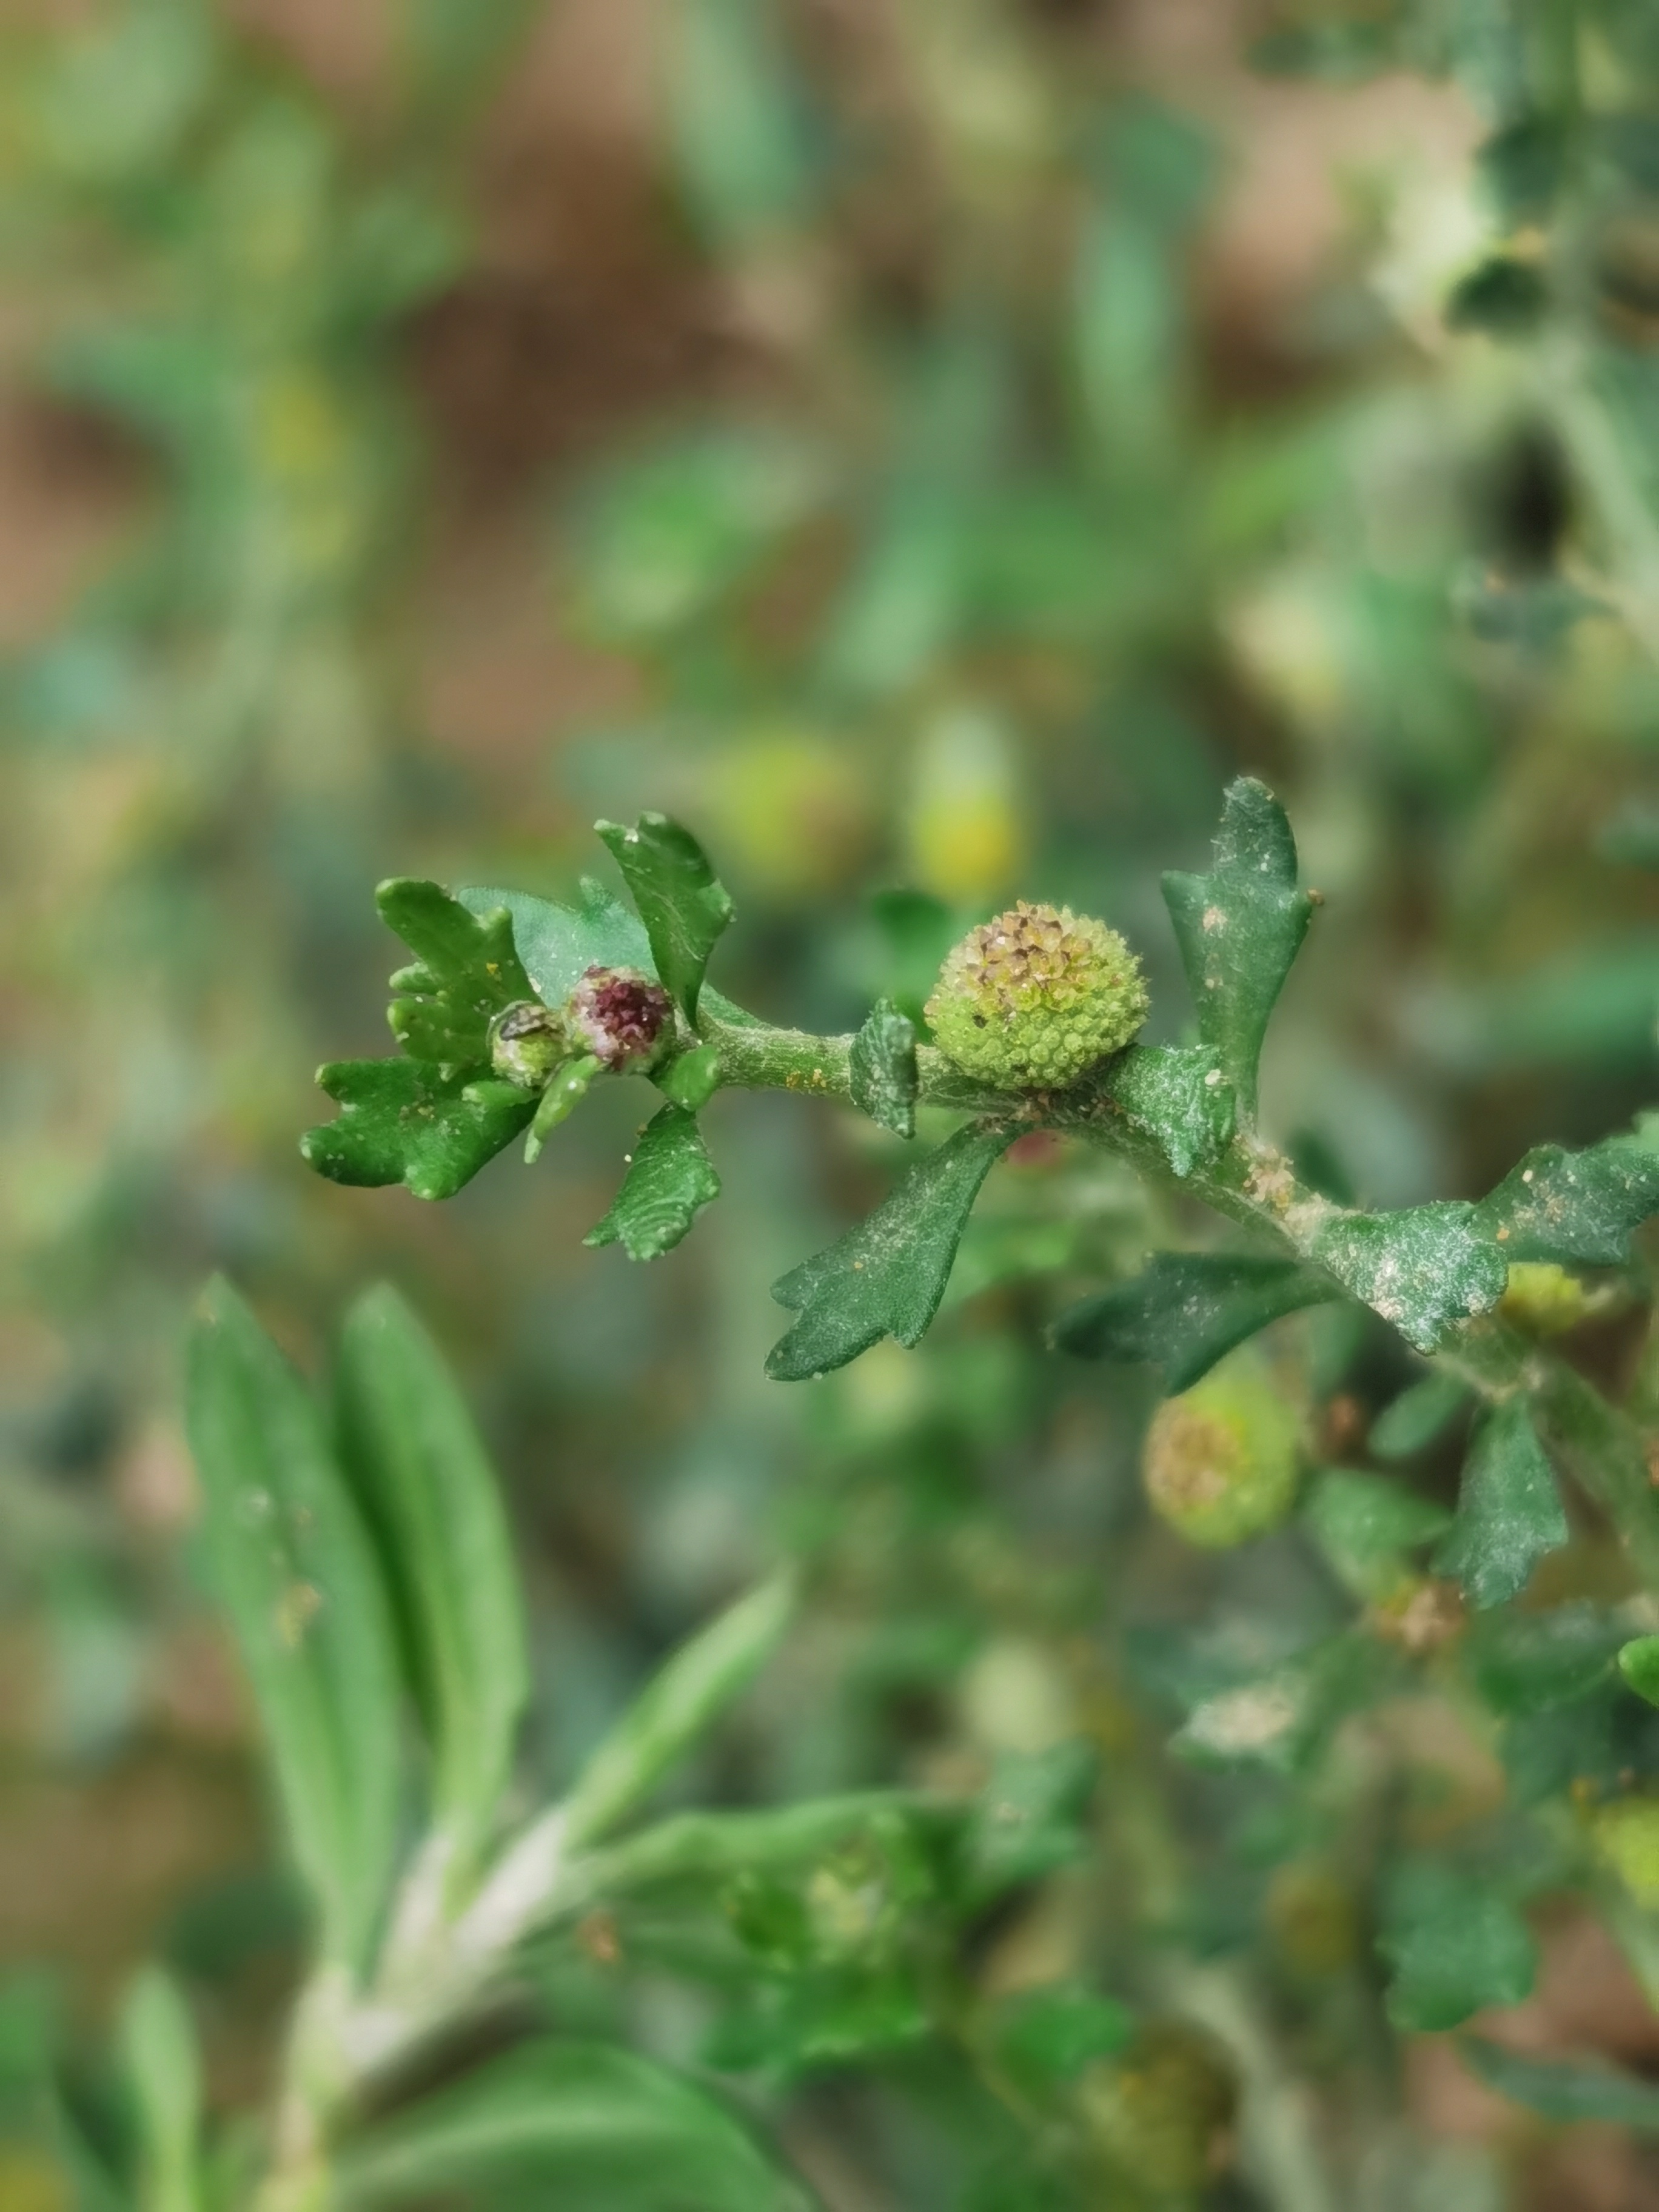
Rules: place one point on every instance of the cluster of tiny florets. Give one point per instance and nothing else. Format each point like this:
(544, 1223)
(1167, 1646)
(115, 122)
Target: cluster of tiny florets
(1036, 998)
(618, 1015)
(1221, 1461)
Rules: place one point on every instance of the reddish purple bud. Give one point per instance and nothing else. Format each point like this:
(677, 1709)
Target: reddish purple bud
(619, 1015)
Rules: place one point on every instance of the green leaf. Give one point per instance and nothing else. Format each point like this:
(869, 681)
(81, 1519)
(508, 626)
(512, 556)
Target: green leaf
(1416, 1416)
(558, 1102)
(1239, 928)
(1030, 1818)
(1423, 1268)
(1185, 1310)
(883, 1069)
(1177, 1095)
(1366, 1523)
(466, 972)
(1562, 1205)
(292, 1567)
(701, 1849)
(1506, 297)
(163, 2071)
(682, 1702)
(405, 1120)
(682, 903)
(559, 944)
(429, 1493)
(1509, 1511)
(692, 1078)
(1639, 1662)
(886, 1277)
(1531, 1662)
(1564, 2090)
(670, 1179)
(1456, 1946)
(579, 2121)
(1044, 2038)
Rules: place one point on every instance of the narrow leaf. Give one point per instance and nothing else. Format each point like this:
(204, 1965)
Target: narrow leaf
(1456, 1946)
(1564, 2090)
(1423, 1268)
(682, 902)
(1032, 1817)
(163, 2072)
(684, 1700)
(1562, 1205)
(1178, 1096)
(466, 972)
(670, 1179)
(582, 2122)
(883, 1069)
(405, 1120)
(1639, 1662)
(432, 1497)
(1185, 1310)
(1365, 1524)
(558, 1102)
(1416, 1416)
(1239, 928)
(294, 1570)
(1509, 1511)
(692, 1078)
(886, 1277)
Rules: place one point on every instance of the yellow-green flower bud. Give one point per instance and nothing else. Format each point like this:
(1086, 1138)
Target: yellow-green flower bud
(1220, 1461)
(1036, 998)
(529, 1043)
(1625, 1834)
(1162, 2113)
(1544, 1300)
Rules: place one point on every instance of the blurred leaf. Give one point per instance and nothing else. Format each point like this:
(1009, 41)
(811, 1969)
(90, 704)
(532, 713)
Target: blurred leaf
(1523, 167)
(682, 903)
(1367, 1522)
(163, 2071)
(1423, 1268)
(1032, 1817)
(295, 1573)
(1128, 334)
(1564, 2090)
(886, 1277)
(1530, 1663)
(1413, 1420)
(466, 972)
(1509, 1512)
(1456, 1947)
(1562, 1205)
(736, 119)
(405, 1120)
(682, 1702)
(433, 1500)
(452, 44)
(1177, 1095)
(1506, 297)
(1186, 1310)
(1239, 928)
(670, 1179)
(901, 604)
(705, 1849)
(568, 2117)
(1639, 1662)
(116, 102)
(1044, 2038)
(883, 1069)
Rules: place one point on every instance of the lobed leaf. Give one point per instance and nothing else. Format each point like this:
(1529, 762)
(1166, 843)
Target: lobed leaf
(466, 972)
(886, 1277)
(1422, 1268)
(1509, 1511)
(1239, 927)
(1455, 1945)
(1185, 1310)
(295, 1572)
(670, 1179)
(582, 2122)
(407, 1122)
(883, 1069)
(682, 902)
(1562, 1205)
(1564, 2090)
(430, 1494)
(686, 1698)
(1178, 1096)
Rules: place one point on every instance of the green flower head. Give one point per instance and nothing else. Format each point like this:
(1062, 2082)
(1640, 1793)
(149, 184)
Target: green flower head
(1036, 998)
(1221, 1461)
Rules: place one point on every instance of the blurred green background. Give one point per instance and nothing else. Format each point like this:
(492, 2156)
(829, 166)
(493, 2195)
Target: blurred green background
(929, 447)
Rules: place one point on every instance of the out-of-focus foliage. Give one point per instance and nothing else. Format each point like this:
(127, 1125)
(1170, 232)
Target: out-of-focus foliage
(932, 449)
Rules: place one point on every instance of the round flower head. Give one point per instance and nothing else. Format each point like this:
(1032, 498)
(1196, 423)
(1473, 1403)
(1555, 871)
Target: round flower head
(1220, 1462)
(1036, 998)
(618, 1015)
(528, 1044)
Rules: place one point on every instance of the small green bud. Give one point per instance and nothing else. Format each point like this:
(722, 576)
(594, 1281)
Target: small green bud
(1542, 1299)
(1036, 998)
(1220, 1460)
(528, 1043)
(1625, 1837)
